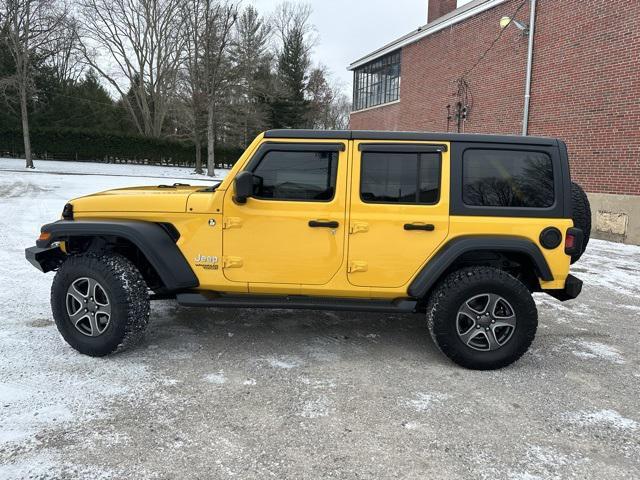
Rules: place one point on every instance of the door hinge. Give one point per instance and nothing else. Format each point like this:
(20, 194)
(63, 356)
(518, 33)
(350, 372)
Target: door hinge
(358, 227)
(231, 222)
(358, 267)
(231, 262)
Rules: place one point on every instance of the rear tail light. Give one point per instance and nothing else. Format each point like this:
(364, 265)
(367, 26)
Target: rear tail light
(569, 241)
(573, 241)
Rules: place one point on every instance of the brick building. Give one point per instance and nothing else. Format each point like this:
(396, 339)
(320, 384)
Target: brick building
(463, 71)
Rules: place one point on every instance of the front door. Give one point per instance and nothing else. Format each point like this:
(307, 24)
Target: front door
(399, 210)
(291, 231)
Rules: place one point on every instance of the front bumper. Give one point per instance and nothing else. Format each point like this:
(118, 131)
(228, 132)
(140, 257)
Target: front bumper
(571, 290)
(45, 259)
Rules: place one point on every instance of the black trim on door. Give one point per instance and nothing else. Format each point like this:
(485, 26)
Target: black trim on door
(323, 224)
(392, 149)
(268, 147)
(291, 147)
(401, 148)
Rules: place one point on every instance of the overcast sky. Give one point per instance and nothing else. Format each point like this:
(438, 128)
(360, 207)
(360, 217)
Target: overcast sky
(349, 29)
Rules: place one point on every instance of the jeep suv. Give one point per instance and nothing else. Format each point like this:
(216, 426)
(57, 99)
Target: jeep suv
(462, 228)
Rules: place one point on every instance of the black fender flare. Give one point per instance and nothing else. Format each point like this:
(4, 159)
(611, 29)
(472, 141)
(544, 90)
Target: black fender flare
(153, 240)
(452, 250)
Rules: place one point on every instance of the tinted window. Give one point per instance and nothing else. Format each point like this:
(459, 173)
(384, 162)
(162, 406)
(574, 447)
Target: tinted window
(296, 176)
(507, 178)
(400, 177)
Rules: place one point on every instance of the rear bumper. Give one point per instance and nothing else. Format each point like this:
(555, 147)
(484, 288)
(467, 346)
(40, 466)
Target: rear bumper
(571, 290)
(45, 259)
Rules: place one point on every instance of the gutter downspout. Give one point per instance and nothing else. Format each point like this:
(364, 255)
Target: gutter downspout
(527, 88)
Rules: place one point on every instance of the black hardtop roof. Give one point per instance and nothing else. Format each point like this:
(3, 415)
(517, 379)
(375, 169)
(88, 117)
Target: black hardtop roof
(409, 136)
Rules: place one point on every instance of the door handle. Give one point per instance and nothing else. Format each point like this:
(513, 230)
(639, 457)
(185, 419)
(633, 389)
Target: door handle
(323, 224)
(429, 227)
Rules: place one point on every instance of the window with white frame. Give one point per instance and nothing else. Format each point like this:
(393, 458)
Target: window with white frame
(377, 82)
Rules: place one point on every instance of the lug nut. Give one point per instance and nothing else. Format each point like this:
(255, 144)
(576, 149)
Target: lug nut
(477, 326)
(493, 321)
(486, 329)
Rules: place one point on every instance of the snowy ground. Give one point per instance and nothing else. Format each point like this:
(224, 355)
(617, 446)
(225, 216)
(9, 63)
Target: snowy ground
(290, 394)
(84, 168)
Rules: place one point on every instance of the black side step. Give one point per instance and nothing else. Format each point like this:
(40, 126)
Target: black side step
(212, 299)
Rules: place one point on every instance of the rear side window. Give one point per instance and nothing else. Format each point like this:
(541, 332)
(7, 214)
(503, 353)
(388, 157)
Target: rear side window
(405, 178)
(507, 178)
(304, 176)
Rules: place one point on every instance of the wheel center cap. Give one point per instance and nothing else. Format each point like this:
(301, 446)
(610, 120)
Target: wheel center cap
(484, 321)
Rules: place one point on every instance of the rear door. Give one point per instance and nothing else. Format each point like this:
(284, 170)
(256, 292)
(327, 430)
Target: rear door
(399, 211)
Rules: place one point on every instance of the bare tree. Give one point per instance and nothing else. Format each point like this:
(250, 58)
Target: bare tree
(65, 55)
(209, 33)
(289, 16)
(219, 21)
(30, 26)
(191, 78)
(136, 46)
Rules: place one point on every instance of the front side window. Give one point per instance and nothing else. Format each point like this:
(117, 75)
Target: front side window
(305, 176)
(405, 178)
(507, 178)
(377, 82)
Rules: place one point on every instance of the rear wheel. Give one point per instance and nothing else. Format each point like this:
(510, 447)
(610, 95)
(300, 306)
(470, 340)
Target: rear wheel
(100, 303)
(581, 217)
(482, 318)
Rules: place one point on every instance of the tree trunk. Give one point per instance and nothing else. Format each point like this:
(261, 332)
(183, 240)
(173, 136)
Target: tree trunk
(211, 141)
(198, 144)
(24, 113)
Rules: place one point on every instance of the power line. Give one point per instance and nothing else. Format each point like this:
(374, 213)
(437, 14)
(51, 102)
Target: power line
(482, 57)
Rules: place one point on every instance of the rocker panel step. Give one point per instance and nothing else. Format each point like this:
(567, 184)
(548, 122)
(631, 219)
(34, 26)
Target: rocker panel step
(212, 299)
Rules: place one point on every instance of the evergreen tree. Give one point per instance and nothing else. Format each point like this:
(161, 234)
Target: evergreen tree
(291, 109)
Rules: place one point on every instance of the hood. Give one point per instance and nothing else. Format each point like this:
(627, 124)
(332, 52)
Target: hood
(161, 198)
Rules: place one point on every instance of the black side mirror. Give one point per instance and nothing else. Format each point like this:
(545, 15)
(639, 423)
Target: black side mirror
(244, 186)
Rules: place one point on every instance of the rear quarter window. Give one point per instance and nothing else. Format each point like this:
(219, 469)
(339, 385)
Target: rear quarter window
(507, 178)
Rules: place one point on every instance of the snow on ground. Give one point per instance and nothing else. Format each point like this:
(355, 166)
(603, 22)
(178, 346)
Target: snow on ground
(41, 386)
(288, 394)
(87, 168)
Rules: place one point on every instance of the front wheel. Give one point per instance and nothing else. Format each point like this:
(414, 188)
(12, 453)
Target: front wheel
(100, 303)
(482, 318)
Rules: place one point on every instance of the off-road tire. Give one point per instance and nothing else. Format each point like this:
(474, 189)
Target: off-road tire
(581, 217)
(452, 292)
(127, 293)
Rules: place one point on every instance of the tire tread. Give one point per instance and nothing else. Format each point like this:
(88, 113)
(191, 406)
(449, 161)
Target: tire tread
(461, 280)
(128, 288)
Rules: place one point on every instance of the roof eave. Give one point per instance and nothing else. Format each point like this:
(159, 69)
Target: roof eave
(458, 15)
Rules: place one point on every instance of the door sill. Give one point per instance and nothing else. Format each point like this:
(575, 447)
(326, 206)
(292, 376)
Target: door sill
(214, 299)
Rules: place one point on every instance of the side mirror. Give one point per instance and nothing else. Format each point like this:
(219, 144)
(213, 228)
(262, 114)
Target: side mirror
(244, 187)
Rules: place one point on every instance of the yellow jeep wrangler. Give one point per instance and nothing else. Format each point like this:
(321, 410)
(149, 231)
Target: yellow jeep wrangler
(461, 227)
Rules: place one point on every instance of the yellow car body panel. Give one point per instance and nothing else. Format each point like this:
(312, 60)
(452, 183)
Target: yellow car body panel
(267, 246)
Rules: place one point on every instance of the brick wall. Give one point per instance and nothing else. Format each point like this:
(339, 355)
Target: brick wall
(586, 84)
